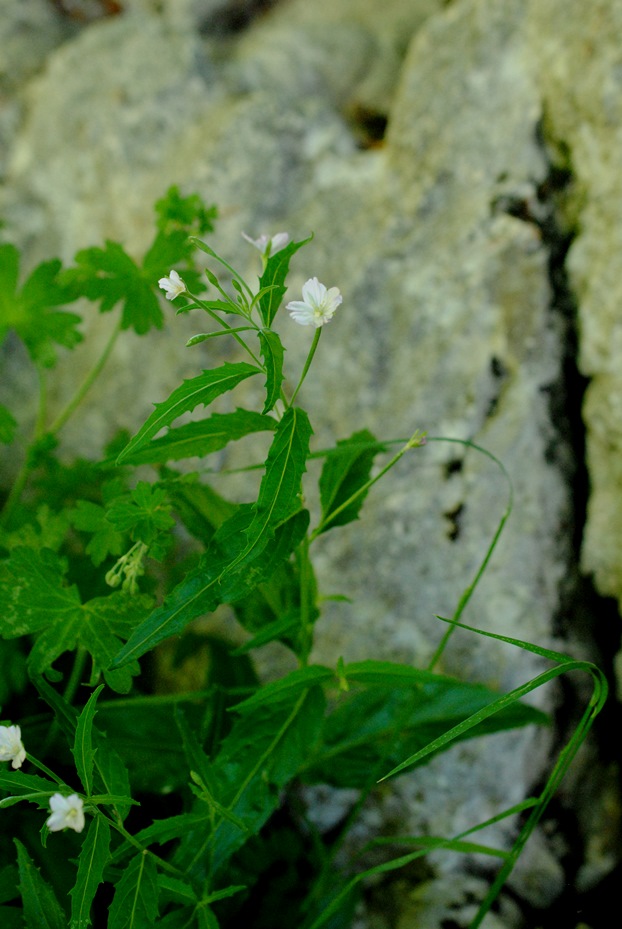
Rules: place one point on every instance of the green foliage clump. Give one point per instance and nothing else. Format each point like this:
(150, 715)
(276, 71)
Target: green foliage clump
(183, 810)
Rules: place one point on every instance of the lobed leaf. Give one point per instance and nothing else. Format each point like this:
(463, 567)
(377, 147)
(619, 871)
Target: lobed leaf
(109, 276)
(31, 312)
(221, 577)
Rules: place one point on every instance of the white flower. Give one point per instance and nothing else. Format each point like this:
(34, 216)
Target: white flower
(11, 746)
(317, 305)
(269, 245)
(173, 285)
(67, 813)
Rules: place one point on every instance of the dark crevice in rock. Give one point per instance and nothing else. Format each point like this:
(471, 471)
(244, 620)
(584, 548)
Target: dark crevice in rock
(588, 621)
(87, 11)
(454, 466)
(368, 125)
(233, 17)
(454, 518)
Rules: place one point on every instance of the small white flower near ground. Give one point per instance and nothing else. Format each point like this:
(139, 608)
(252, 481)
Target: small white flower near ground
(317, 306)
(67, 813)
(173, 285)
(11, 746)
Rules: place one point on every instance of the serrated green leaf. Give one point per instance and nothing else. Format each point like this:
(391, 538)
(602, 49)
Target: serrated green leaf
(112, 773)
(201, 438)
(293, 683)
(263, 752)
(145, 513)
(23, 785)
(34, 599)
(181, 891)
(198, 506)
(219, 578)
(135, 902)
(83, 751)
(201, 390)
(271, 632)
(106, 540)
(41, 908)
(403, 711)
(272, 355)
(186, 213)
(279, 493)
(8, 426)
(109, 276)
(94, 856)
(345, 472)
(274, 277)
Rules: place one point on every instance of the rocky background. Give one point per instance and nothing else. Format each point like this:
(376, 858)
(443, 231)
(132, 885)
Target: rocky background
(459, 162)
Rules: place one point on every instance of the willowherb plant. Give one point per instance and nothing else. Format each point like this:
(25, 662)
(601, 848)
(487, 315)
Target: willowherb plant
(177, 810)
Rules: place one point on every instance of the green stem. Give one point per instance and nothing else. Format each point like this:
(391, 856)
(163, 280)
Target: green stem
(305, 589)
(26, 467)
(76, 674)
(87, 383)
(314, 345)
(468, 593)
(161, 862)
(230, 329)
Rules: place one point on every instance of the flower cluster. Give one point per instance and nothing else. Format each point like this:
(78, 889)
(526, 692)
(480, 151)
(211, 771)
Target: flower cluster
(11, 746)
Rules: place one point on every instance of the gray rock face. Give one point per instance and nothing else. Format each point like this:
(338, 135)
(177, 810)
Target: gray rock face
(434, 237)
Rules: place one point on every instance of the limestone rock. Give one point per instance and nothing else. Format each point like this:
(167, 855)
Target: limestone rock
(447, 322)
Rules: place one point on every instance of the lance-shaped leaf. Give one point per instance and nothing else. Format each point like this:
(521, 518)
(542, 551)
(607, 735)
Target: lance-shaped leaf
(94, 857)
(201, 438)
(83, 751)
(279, 493)
(112, 776)
(201, 390)
(346, 470)
(273, 279)
(41, 908)
(135, 903)
(219, 578)
(26, 787)
(272, 354)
